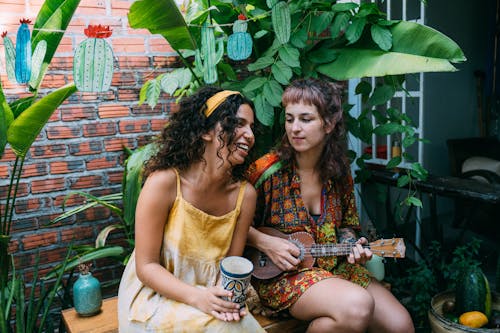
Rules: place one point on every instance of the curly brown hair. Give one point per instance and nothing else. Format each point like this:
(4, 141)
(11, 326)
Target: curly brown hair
(180, 143)
(326, 97)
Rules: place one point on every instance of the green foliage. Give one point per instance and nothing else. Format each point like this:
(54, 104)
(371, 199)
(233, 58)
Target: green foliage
(438, 271)
(21, 121)
(303, 39)
(122, 205)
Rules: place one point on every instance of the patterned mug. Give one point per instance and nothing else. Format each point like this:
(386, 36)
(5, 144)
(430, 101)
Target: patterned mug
(236, 273)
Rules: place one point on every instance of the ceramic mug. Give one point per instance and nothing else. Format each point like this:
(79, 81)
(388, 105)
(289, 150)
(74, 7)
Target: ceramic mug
(236, 273)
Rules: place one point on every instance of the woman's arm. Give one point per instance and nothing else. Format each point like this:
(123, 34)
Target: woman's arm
(244, 221)
(153, 207)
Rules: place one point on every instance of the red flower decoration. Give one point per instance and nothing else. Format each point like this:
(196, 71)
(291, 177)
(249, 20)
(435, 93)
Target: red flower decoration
(25, 20)
(4, 34)
(98, 31)
(242, 17)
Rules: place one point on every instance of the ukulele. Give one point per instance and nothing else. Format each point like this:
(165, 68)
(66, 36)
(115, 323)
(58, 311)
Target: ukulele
(265, 269)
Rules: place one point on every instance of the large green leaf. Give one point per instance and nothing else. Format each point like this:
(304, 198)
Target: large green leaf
(357, 63)
(132, 182)
(51, 22)
(6, 117)
(414, 38)
(416, 48)
(23, 131)
(164, 18)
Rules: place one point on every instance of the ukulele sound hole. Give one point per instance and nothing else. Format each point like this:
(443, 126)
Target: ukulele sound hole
(262, 260)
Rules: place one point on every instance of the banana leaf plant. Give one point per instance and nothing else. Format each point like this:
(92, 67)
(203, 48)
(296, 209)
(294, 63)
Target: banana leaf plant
(337, 41)
(121, 205)
(22, 120)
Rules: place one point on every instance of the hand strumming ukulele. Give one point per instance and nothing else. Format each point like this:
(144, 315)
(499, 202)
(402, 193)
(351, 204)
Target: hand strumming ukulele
(265, 269)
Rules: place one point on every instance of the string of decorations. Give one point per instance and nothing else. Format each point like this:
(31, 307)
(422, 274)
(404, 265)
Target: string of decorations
(93, 57)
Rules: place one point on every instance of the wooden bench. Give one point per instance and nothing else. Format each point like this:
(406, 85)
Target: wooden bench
(107, 321)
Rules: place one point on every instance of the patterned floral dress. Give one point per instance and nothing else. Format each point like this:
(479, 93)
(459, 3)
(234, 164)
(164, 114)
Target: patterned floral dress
(280, 205)
(194, 242)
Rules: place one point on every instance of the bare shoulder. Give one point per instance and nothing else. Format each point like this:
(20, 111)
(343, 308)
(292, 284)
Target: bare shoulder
(162, 183)
(250, 192)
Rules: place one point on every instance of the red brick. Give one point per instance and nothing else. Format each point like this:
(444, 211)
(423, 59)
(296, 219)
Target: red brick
(77, 233)
(60, 167)
(4, 171)
(13, 246)
(144, 140)
(47, 185)
(117, 144)
(48, 151)
(99, 129)
(113, 111)
(95, 97)
(86, 148)
(115, 177)
(53, 81)
(8, 155)
(134, 126)
(32, 170)
(128, 94)
(160, 44)
(102, 163)
(134, 62)
(73, 200)
(86, 182)
(145, 109)
(39, 239)
(30, 223)
(167, 62)
(129, 45)
(77, 113)
(22, 190)
(158, 124)
(61, 63)
(122, 79)
(63, 132)
(94, 214)
(31, 204)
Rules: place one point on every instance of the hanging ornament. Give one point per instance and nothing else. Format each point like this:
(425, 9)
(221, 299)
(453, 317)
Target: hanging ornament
(23, 52)
(210, 55)
(93, 60)
(239, 44)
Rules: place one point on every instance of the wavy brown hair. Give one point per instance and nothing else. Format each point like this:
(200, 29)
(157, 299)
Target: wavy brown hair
(180, 143)
(326, 97)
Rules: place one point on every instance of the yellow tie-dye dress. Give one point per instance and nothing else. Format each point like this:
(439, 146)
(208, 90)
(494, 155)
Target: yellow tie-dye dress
(193, 245)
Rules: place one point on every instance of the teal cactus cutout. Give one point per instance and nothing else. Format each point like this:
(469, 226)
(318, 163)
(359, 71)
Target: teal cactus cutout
(23, 52)
(10, 57)
(210, 55)
(239, 44)
(93, 61)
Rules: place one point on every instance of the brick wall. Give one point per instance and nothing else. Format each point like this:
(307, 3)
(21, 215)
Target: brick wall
(81, 146)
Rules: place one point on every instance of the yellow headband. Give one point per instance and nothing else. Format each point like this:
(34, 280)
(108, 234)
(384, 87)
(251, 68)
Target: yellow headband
(213, 102)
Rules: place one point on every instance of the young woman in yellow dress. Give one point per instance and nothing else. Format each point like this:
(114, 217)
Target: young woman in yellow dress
(194, 209)
(306, 186)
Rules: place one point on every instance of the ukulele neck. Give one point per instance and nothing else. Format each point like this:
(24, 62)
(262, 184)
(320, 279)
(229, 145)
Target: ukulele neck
(326, 250)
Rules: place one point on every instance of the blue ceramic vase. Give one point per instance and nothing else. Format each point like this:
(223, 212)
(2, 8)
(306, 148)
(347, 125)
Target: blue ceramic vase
(87, 296)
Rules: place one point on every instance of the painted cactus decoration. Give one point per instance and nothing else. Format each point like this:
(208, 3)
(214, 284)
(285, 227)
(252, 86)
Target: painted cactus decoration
(93, 60)
(210, 55)
(239, 44)
(23, 52)
(21, 65)
(10, 57)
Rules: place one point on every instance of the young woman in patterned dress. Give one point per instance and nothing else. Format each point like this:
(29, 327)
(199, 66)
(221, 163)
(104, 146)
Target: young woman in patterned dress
(312, 191)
